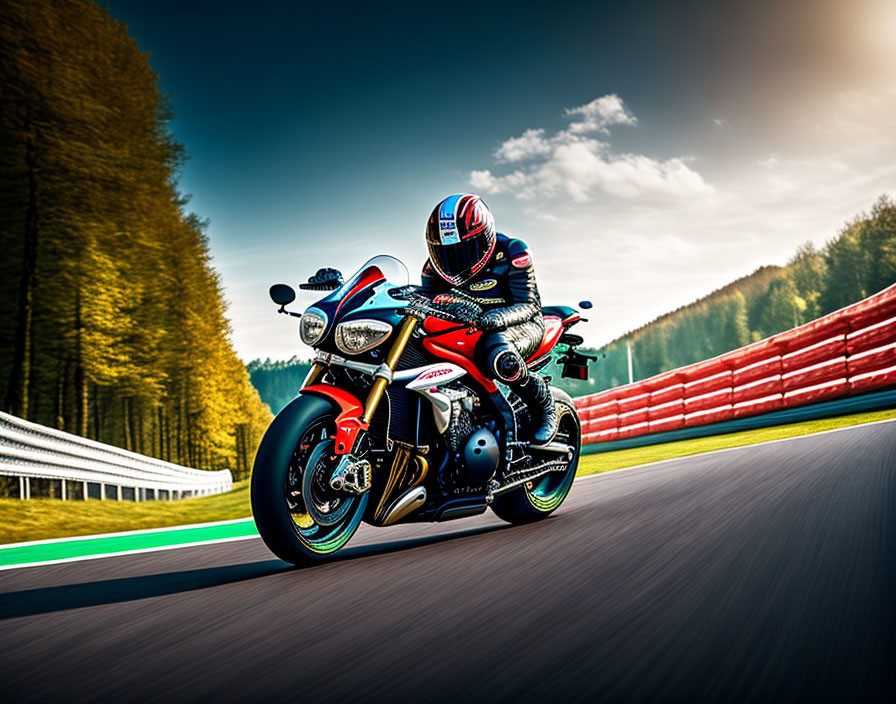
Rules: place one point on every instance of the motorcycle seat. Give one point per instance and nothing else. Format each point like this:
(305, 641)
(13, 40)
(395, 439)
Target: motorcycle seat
(562, 312)
(553, 329)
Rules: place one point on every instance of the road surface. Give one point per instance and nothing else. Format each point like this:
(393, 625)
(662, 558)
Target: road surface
(759, 574)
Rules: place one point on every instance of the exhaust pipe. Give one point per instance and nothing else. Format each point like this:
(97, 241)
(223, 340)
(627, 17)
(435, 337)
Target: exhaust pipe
(409, 501)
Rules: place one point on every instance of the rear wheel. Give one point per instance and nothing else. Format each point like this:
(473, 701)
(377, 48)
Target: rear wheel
(298, 515)
(540, 497)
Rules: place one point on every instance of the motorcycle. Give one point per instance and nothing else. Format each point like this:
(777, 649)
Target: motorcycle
(433, 440)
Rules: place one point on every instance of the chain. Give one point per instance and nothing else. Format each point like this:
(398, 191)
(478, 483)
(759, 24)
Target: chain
(532, 472)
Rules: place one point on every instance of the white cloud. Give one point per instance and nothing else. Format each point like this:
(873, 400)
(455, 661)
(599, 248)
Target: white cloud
(760, 203)
(720, 122)
(532, 143)
(573, 164)
(599, 114)
(483, 181)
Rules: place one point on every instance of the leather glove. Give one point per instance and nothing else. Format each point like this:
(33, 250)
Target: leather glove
(460, 307)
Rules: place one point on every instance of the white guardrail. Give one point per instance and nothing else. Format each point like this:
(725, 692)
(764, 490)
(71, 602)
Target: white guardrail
(89, 469)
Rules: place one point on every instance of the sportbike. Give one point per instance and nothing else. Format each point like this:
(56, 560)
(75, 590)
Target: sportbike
(395, 423)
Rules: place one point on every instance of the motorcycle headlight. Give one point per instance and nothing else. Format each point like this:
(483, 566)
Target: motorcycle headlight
(359, 336)
(312, 326)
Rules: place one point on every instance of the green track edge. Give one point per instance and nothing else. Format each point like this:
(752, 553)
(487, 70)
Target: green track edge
(100, 546)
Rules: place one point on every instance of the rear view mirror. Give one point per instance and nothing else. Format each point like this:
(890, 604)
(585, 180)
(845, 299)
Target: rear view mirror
(585, 305)
(281, 294)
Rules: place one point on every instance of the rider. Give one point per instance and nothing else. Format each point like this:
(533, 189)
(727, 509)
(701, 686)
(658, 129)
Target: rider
(487, 279)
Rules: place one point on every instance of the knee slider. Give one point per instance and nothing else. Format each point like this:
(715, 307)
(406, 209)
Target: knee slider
(507, 365)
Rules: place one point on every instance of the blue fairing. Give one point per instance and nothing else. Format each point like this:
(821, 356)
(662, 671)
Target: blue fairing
(368, 302)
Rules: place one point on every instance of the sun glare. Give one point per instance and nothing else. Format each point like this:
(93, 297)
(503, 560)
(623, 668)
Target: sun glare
(881, 28)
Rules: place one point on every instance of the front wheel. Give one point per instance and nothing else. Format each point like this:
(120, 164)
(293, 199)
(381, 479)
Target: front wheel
(540, 497)
(299, 517)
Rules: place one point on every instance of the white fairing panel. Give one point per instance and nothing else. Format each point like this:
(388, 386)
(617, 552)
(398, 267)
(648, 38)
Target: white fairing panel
(427, 384)
(435, 375)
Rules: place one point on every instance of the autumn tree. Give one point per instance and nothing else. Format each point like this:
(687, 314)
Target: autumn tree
(114, 323)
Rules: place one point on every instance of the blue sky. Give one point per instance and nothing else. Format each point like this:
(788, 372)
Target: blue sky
(649, 152)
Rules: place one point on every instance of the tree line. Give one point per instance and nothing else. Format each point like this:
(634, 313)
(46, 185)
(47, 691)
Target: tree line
(278, 382)
(113, 324)
(859, 261)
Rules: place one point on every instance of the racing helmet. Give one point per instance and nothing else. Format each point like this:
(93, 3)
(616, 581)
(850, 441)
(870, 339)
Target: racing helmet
(461, 237)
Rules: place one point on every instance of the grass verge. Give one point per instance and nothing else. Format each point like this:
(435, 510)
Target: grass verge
(39, 519)
(608, 461)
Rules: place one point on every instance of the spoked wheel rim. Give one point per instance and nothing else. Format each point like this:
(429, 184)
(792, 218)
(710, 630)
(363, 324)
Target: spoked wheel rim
(547, 493)
(322, 518)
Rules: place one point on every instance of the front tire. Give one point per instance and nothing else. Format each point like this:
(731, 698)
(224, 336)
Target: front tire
(299, 440)
(539, 498)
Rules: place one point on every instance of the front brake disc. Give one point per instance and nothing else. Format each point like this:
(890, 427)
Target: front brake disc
(325, 505)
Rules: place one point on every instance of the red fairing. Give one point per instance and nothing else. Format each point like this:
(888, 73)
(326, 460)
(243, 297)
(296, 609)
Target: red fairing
(461, 340)
(348, 422)
(368, 278)
(553, 329)
(435, 348)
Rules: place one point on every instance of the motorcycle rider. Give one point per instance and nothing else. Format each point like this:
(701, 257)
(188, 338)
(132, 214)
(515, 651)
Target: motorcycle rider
(487, 279)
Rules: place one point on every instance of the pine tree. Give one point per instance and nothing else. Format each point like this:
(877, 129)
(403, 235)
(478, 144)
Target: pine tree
(808, 271)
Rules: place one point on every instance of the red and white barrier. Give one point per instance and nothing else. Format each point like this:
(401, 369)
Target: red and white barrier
(849, 352)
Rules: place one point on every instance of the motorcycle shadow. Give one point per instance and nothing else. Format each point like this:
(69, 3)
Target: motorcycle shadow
(359, 551)
(43, 600)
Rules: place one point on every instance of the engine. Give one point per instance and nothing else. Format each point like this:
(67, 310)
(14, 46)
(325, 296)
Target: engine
(475, 453)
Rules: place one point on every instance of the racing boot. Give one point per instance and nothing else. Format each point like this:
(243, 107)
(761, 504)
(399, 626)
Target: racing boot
(537, 395)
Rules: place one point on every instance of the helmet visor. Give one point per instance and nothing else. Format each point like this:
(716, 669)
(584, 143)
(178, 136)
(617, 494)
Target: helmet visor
(458, 262)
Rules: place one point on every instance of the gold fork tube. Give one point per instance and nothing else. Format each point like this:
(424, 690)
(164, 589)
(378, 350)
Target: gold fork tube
(313, 373)
(380, 384)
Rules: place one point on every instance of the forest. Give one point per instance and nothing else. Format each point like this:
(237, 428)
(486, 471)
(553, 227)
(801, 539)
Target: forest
(859, 261)
(278, 382)
(113, 321)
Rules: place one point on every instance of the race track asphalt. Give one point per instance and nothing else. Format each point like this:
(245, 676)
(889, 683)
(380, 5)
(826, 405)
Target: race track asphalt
(766, 573)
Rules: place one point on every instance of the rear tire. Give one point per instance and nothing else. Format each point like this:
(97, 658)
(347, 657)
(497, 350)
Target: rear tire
(539, 498)
(299, 438)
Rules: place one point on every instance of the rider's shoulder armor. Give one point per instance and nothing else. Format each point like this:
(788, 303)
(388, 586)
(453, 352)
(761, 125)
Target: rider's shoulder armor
(510, 253)
(507, 273)
(519, 256)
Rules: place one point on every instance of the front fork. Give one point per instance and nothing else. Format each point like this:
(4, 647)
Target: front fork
(380, 383)
(350, 422)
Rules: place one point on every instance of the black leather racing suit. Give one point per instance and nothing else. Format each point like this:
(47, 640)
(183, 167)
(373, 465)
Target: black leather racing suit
(511, 318)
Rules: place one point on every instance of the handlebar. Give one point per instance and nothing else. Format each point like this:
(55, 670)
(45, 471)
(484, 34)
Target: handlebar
(445, 310)
(419, 305)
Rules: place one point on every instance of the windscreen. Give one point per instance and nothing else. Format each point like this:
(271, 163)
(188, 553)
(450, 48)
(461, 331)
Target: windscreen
(381, 267)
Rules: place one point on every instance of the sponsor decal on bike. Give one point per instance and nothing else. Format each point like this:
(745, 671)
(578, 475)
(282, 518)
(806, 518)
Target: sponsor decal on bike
(434, 373)
(483, 285)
